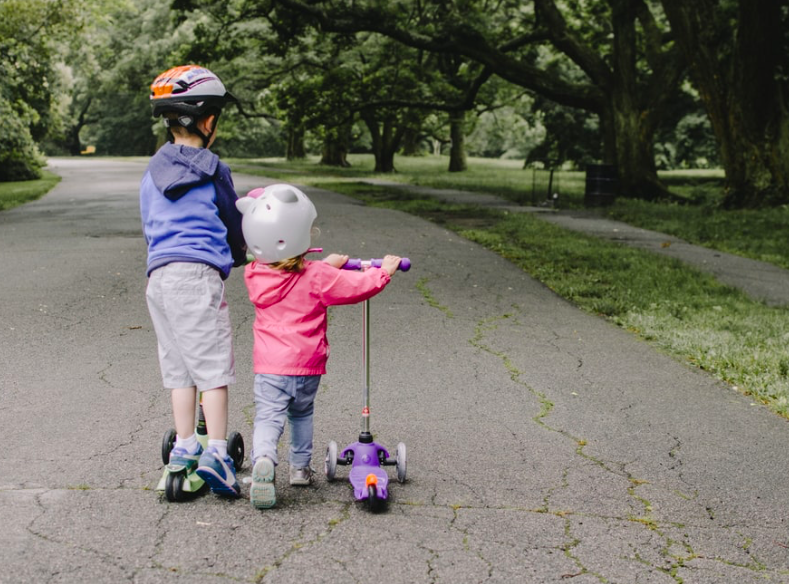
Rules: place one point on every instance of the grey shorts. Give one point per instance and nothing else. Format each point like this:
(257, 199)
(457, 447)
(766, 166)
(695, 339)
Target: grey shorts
(192, 323)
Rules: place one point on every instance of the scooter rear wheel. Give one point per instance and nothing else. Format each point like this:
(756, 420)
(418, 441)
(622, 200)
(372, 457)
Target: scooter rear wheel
(174, 487)
(401, 463)
(374, 504)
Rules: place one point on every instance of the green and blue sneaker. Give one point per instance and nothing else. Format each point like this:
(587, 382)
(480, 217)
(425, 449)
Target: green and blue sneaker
(219, 473)
(182, 460)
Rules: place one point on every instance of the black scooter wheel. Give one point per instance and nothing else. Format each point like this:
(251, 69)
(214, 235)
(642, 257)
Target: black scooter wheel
(374, 504)
(235, 448)
(167, 445)
(174, 487)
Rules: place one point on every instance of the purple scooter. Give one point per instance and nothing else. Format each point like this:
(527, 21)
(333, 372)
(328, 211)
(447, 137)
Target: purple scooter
(367, 458)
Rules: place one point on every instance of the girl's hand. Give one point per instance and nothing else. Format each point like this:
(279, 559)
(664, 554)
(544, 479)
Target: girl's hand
(390, 263)
(336, 260)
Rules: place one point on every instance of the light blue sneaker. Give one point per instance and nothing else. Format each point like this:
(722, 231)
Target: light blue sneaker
(182, 460)
(262, 494)
(219, 473)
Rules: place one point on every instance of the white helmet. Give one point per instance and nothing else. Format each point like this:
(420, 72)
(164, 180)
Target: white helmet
(277, 222)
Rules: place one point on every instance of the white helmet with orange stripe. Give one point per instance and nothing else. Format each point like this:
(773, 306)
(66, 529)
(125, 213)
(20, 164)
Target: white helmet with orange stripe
(191, 92)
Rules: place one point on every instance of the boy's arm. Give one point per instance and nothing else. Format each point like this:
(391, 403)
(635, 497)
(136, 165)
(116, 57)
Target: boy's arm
(229, 214)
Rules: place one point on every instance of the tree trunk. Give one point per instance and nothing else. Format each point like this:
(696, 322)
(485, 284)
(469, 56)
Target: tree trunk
(72, 140)
(386, 138)
(295, 144)
(745, 92)
(412, 135)
(457, 150)
(335, 147)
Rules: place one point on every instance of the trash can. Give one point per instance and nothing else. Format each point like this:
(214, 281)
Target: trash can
(602, 185)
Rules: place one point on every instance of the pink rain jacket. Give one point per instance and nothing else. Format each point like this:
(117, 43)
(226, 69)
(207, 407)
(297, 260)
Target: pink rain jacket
(290, 312)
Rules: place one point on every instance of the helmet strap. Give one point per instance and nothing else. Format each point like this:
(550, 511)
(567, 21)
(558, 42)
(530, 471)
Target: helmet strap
(192, 126)
(206, 137)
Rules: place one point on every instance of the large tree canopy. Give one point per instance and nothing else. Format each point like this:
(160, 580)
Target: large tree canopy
(609, 58)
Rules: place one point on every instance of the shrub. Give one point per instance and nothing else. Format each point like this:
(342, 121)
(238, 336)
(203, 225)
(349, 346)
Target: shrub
(20, 158)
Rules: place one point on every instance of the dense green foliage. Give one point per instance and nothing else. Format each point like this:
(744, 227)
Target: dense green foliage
(560, 84)
(19, 157)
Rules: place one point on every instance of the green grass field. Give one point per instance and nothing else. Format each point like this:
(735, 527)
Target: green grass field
(13, 194)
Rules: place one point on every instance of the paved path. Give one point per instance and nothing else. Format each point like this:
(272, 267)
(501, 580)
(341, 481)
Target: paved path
(545, 445)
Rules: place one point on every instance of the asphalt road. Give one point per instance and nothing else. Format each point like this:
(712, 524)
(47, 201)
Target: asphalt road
(544, 444)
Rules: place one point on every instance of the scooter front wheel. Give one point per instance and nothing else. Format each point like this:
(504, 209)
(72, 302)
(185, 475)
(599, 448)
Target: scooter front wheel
(168, 441)
(330, 462)
(174, 487)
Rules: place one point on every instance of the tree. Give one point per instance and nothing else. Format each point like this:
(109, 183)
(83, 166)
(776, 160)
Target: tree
(29, 31)
(613, 59)
(738, 52)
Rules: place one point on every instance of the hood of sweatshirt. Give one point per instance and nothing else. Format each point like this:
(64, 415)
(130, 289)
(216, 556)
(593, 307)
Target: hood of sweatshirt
(268, 286)
(176, 168)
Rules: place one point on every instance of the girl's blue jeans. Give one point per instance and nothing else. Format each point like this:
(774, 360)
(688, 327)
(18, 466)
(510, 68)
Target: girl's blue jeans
(278, 397)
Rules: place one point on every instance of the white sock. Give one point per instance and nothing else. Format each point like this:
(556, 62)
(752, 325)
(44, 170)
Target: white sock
(220, 446)
(191, 445)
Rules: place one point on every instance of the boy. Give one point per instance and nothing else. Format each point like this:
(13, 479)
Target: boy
(193, 231)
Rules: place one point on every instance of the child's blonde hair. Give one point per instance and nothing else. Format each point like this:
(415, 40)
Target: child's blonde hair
(293, 265)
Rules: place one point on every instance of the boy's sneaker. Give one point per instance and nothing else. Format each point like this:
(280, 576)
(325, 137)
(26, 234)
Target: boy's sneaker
(300, 476)
(182, 460)
(262, 494)
(219, 473)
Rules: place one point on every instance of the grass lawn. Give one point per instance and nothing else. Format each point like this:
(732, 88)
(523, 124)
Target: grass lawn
(13, 194)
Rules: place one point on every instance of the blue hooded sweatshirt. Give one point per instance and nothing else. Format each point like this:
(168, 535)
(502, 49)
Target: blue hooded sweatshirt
(188, 208)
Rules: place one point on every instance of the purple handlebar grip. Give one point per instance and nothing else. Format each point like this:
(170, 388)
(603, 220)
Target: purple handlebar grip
(353, 265)
(356, 264)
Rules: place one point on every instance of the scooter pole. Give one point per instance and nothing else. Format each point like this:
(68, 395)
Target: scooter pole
(366, 436)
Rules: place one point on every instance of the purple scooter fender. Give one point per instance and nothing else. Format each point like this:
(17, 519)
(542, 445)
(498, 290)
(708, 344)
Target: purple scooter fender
(366, 470)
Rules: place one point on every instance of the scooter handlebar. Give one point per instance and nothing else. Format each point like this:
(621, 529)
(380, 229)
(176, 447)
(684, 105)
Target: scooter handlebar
(359, 264)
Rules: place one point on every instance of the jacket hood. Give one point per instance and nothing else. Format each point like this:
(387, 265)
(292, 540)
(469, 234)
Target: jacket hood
(176, 168)
(271, 285)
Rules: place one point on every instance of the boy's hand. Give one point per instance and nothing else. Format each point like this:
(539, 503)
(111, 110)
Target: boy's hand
(336, 260)
(390, 263)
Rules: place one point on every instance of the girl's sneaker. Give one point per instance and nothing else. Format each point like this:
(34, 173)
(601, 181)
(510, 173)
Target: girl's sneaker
(219, 473)
(262, 494)
(301, 476)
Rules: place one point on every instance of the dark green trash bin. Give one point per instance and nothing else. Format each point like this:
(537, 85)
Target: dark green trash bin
(602, 185)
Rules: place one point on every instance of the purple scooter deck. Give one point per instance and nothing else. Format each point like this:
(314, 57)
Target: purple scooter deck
(366, 462)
